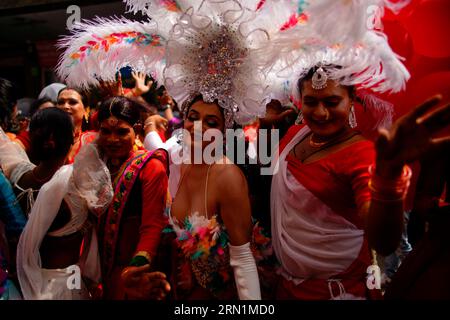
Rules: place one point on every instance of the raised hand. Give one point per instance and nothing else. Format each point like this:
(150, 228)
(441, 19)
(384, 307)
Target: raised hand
(166, 99)
(141, 284)
(155, 123)
(275, 114)
(141, 87)
(112, 88)
(411, 137)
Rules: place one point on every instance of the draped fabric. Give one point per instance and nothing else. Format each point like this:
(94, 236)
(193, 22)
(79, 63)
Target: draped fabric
(86, 188)
(313, 240)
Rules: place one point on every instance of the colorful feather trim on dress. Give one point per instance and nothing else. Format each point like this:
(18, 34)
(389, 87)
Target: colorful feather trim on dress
(205, 243)
(201, 237)
(98, 50)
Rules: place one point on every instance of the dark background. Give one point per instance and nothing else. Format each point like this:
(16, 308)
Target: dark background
(29, 30)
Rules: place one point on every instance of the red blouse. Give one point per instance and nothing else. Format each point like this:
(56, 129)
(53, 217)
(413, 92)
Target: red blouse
(340, 179)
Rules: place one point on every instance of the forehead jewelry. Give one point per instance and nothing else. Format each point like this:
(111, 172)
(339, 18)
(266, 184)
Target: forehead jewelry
(113, 121)
(319, 79)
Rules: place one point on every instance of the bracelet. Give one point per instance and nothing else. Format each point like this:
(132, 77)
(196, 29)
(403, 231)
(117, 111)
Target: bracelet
(165, 107)
(389, 190)
(141, 258)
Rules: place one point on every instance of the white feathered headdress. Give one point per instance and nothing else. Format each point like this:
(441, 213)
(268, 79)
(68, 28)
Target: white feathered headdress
(204, 47)
(97, 50)
(212, 50)
(239, 53)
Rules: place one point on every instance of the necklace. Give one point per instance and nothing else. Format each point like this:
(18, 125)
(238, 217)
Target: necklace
(319, 146)
(346, 135)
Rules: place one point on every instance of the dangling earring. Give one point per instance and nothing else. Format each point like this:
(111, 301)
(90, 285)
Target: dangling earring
(352, 117)
(299, 119)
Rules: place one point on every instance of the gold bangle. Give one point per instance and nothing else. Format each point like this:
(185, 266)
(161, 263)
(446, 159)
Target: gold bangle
(145, 254)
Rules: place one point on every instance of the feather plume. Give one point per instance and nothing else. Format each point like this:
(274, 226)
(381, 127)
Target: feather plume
(97, 49)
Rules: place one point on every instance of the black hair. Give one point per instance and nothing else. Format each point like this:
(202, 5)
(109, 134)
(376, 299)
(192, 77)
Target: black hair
(122, 108)
(8, 99)
(37, 103)
(84, 100)
(309, 75)
(46, 124)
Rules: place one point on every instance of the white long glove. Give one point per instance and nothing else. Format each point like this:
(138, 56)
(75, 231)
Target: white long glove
(245, 272)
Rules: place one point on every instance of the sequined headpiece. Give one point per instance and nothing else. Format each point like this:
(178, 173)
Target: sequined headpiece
(193, 47)
(207, 54)
(212, 61)
(319, 78)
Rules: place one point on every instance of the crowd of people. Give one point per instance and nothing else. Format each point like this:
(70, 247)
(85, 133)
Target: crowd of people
(93, 187)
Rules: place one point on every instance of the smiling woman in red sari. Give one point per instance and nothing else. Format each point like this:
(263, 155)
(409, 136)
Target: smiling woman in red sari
(337, 195)
(130, 231)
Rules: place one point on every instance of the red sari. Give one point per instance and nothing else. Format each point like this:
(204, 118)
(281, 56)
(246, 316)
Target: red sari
(134, 222)
(317, 233)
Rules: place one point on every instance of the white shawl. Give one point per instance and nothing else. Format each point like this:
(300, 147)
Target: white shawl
(85, 186)
(309, 239)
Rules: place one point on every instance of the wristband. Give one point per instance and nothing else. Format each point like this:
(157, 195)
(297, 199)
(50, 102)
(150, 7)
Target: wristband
(141, 258)
(165, 107)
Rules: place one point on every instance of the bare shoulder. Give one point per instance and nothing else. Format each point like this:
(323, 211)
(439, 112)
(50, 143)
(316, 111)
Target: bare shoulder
(228, 176)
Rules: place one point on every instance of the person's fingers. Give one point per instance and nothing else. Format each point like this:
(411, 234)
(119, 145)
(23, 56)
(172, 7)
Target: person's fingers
(132, 272)
(157, 285)
(158, 292)
(425, 106)
(436, 120)
(157, 276)
(441, 143)
(164, 123)
(167, 287)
